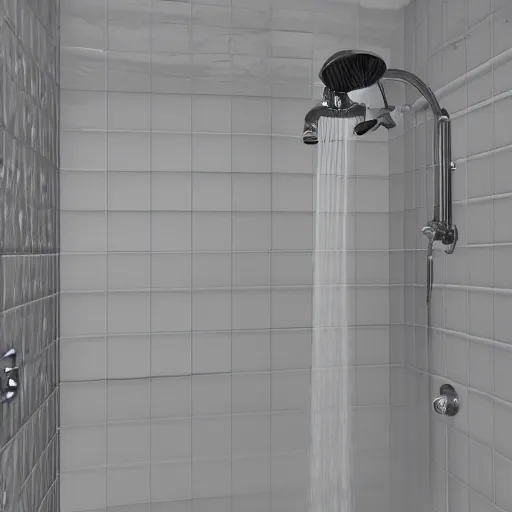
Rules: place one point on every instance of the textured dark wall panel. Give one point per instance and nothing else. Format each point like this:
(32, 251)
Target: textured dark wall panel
(29, 247)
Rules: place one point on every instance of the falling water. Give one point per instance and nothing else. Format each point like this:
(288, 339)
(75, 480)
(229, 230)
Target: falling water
(331, 468)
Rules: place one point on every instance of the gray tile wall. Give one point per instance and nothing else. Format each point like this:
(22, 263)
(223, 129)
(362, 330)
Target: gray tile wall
(187, 210)
(191, 293)
(29, 246)
(463, 49)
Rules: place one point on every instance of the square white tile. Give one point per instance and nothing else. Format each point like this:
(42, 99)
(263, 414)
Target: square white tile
(128, 313)
(128, 191)
(170, 311)
(211, 353)
(211, 394)
(171, 191)
(129, 231)
(170, 354)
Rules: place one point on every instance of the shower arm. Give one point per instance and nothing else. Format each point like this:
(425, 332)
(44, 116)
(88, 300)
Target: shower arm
(384, 98)
(441, 226)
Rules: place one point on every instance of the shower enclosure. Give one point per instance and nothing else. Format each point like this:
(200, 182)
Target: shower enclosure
(203, 311)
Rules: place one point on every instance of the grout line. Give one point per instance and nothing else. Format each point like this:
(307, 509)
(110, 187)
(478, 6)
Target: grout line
(181, 333)
(493, 182)
(231, 231)
(493, 185)
(212, 134)
(191, 263)
(150, 157)
(271, 245)
(106, 217)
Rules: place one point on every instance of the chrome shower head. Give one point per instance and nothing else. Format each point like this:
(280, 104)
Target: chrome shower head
(383, 119)
(349, 70)
(343, 72)
(333, 105)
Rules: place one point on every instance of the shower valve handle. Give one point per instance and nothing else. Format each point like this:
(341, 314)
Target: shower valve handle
(448, 403)
(9, 377)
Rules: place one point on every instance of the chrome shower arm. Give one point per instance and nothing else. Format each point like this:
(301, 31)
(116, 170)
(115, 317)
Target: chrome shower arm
(326, 108)
(383, 94)
(400, 75)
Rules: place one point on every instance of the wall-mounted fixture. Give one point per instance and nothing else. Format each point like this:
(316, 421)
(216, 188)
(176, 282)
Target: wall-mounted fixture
(333, 104)
(349, 70)
(448, 403)
(383, 117)
(9, 378)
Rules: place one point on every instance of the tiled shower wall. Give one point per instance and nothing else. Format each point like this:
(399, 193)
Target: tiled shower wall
(462, 47)
(29, 246)
(187, 232)
(187, 237)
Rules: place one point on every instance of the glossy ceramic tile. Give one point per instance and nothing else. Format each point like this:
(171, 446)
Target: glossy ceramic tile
(208, 273)
(29, 247)
(470, 342)
(195, 289)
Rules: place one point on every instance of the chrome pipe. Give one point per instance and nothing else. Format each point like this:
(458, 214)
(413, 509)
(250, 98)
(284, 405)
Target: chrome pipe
(436, 216)
(445, 170)
(383, 94)
(400, 75)
(441, 222)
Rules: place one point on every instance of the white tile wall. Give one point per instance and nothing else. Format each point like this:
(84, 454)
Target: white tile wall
(470, 464)
(187, 237)
(188, 217)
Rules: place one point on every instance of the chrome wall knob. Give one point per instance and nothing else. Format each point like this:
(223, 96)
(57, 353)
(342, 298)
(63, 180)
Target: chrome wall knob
(9, 377)
(448, 404)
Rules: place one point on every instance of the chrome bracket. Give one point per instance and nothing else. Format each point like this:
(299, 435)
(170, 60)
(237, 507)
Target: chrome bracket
(429, 232)
(448, 404)
(9, 377)
(452, 239)
(448, 235)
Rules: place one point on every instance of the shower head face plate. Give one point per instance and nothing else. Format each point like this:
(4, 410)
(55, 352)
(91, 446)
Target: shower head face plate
(350, 70)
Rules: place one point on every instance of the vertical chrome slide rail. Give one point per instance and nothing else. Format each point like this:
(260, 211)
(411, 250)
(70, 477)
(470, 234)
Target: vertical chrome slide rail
(441, 226)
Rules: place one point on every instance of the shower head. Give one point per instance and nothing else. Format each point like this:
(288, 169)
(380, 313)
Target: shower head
(343, 72)
(349, 70)
(383, 119)
(333, 105)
